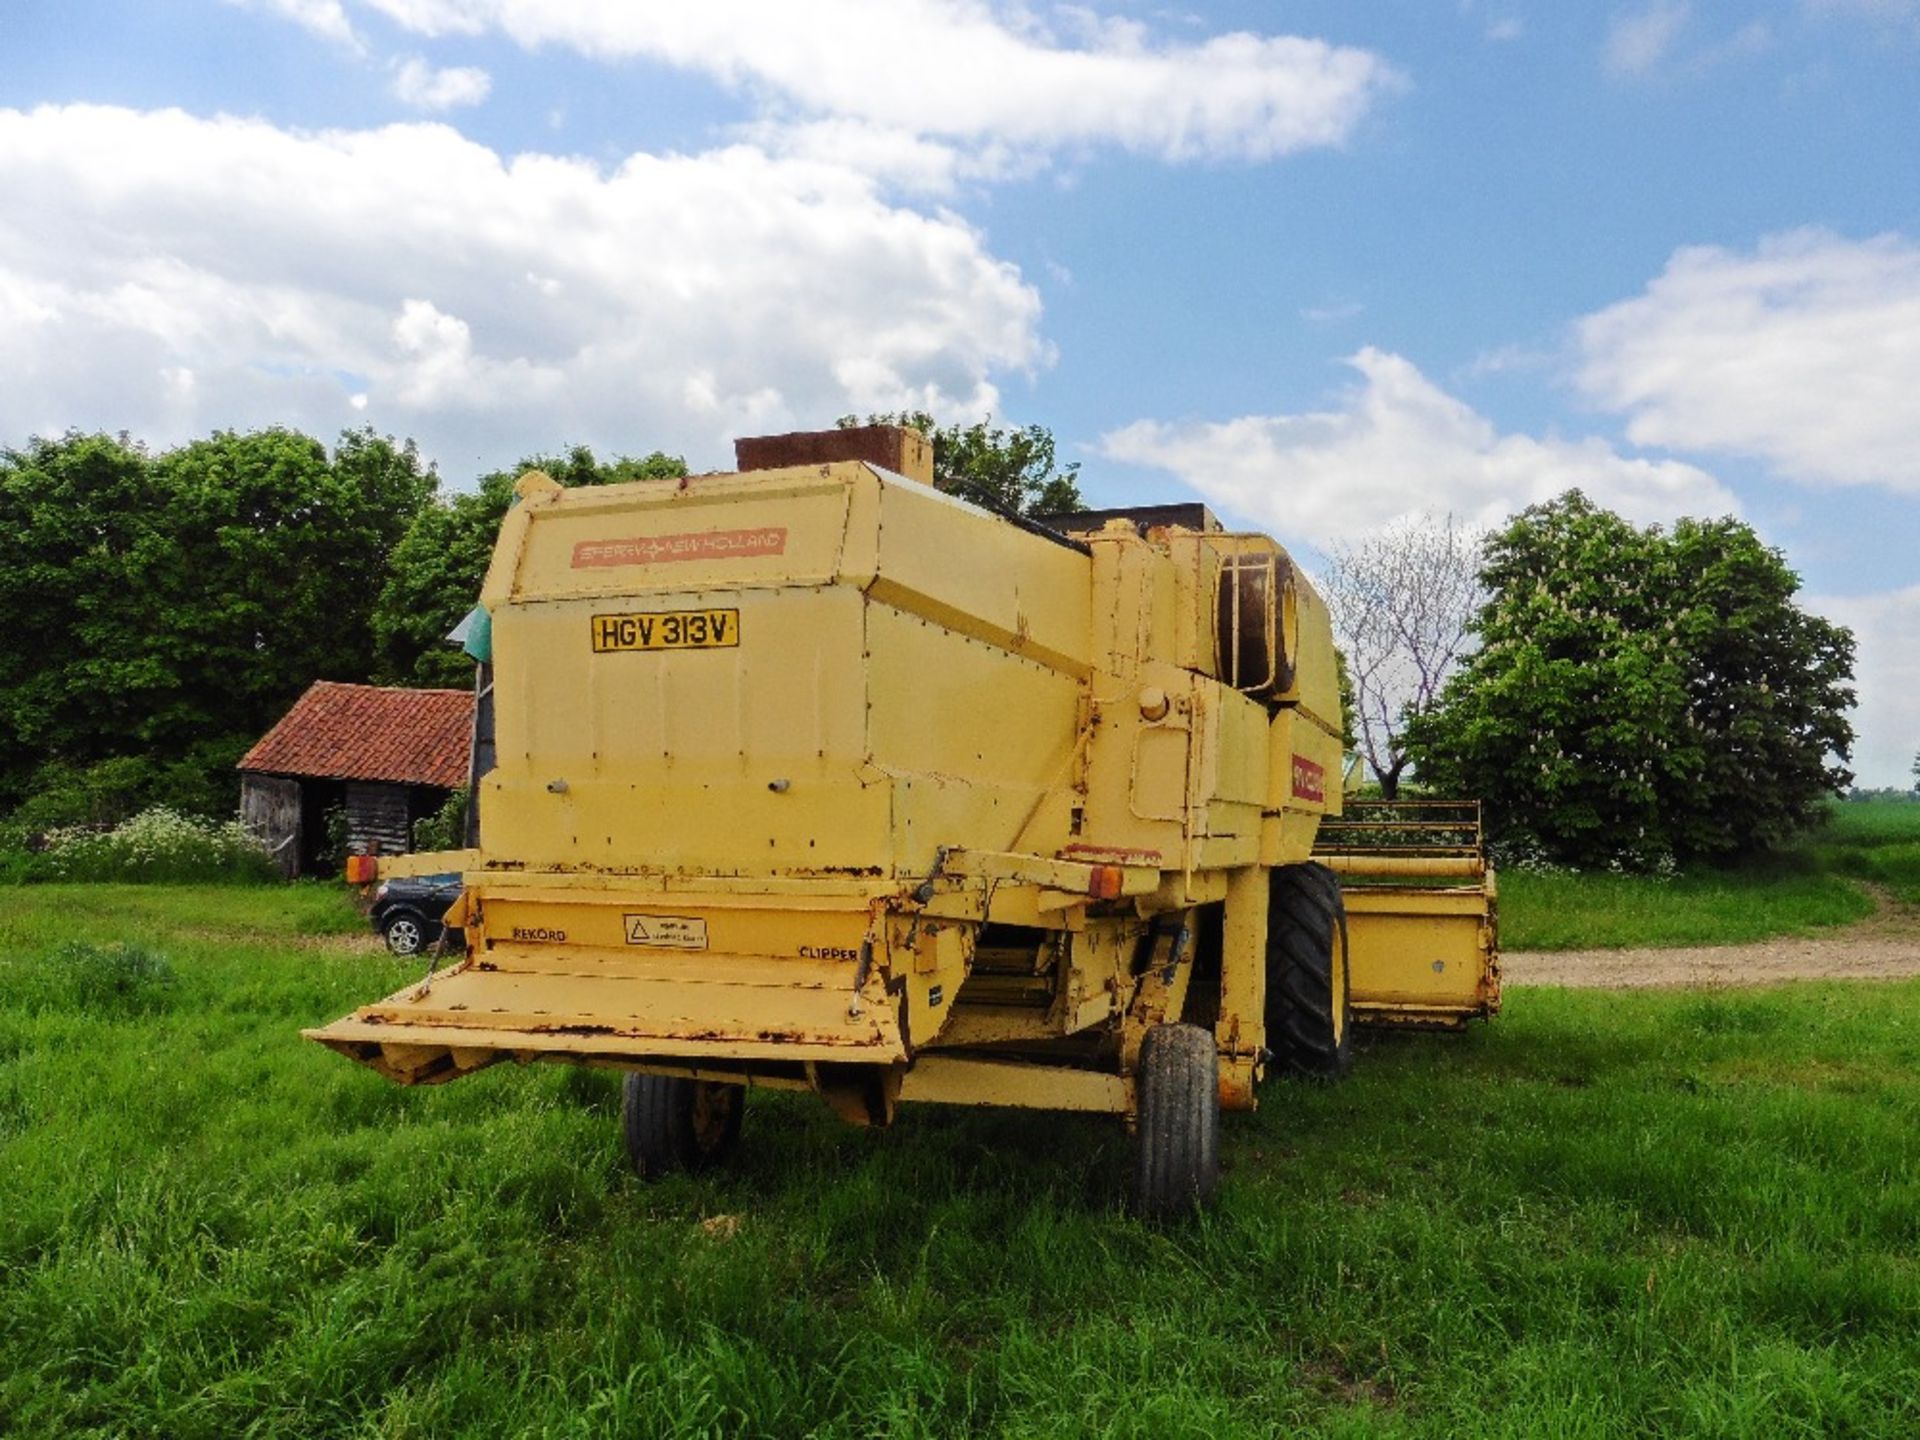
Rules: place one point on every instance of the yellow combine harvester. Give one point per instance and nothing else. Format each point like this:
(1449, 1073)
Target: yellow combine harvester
(813, 777)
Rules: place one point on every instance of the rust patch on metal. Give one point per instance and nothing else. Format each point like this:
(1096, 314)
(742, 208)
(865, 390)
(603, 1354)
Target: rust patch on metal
(1115, 853)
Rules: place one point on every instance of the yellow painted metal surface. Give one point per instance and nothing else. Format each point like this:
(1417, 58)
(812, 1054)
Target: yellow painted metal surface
(953, 1081)
(1240, 1029)
(815, 772)
(1421, 904)
(1428, 953)
(1405, 866)
(736, 1006)
(427, 862)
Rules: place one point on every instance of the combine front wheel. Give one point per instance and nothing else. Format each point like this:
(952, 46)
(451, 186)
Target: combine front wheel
(1309, 1027)
(1177, 1145)
(672, 1123)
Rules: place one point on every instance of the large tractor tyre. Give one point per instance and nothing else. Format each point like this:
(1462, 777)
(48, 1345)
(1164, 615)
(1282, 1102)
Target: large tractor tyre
(1177, 1143)
(671, 1123)
(1309, 993)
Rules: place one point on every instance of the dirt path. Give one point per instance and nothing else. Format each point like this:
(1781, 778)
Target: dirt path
(1884, 946)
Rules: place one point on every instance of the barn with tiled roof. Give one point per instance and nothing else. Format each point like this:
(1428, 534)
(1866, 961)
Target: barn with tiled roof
(380, 756)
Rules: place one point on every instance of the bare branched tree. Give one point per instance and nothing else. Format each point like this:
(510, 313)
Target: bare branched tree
(1402, 603)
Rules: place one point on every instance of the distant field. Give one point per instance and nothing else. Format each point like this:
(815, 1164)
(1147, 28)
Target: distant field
(1605, 1214)
(1876, 840)
(1710, 907)
(1800, 893)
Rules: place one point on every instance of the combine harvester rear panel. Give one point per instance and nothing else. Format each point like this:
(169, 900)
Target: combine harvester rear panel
(810, 776)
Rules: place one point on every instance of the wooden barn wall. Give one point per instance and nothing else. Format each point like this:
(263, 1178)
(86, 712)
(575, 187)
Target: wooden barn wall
(379, 818)
(270, 808)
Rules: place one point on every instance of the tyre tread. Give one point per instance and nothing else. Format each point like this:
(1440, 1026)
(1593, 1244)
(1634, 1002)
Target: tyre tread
(656, 1123)
(1177, 1146)
(1306, 918)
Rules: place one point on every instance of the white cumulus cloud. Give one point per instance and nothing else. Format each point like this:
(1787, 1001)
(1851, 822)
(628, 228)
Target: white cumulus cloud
(901, 159)
(1804, 353)
(966, 70)
(420, 85)
(325, 18)
(1398, 445)
(166, 273)
(1639, 39)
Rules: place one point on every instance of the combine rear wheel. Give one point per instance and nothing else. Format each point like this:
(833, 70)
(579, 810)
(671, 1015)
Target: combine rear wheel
(1309, 1027)
(1177, 1145)
(672, 1123)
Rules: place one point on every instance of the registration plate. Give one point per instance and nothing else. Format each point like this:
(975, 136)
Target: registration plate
(667, 630)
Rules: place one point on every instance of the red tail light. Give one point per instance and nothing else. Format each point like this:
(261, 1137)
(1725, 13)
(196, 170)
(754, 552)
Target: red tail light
(362, 869)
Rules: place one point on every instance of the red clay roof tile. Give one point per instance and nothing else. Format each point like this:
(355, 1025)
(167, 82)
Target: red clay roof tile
(370, 732)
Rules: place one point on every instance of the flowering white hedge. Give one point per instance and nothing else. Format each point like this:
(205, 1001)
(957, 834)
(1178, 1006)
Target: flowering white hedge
(158, 844)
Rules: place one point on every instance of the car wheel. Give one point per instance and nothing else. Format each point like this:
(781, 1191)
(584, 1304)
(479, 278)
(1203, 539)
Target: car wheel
(404, 933)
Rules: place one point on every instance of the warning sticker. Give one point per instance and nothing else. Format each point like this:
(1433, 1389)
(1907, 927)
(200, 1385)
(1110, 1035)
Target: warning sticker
(672, 932)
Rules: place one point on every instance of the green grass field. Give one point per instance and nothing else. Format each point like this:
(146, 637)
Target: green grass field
(1800, 893)
(1605, 1214)
(1876, 840)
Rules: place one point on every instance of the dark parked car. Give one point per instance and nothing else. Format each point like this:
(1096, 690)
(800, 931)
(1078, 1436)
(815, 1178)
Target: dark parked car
(407, 912)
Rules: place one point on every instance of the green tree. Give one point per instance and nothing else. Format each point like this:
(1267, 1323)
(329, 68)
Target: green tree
(1639, 694)
(80, 523)
(172, 606)
(1768, 687)
(435, 571)
(270, 588)
(1013, 470)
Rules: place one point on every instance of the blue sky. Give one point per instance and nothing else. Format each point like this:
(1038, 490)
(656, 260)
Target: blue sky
(1325, 264)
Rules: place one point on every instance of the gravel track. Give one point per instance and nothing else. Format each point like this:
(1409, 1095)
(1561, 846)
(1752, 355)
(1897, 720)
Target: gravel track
(1884, 946)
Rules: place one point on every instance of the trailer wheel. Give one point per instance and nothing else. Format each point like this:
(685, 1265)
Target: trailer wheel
(1309, 1021)
(671, 1123)
(1177, 1143)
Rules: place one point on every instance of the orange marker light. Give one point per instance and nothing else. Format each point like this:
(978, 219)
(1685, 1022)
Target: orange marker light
(1106, 882)
(362, 869)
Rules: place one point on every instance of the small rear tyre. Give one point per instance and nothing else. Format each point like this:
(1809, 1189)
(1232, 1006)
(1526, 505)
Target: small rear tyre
(671, 1123)
(1177, 1144)
(1309, 993)
(404, 934)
